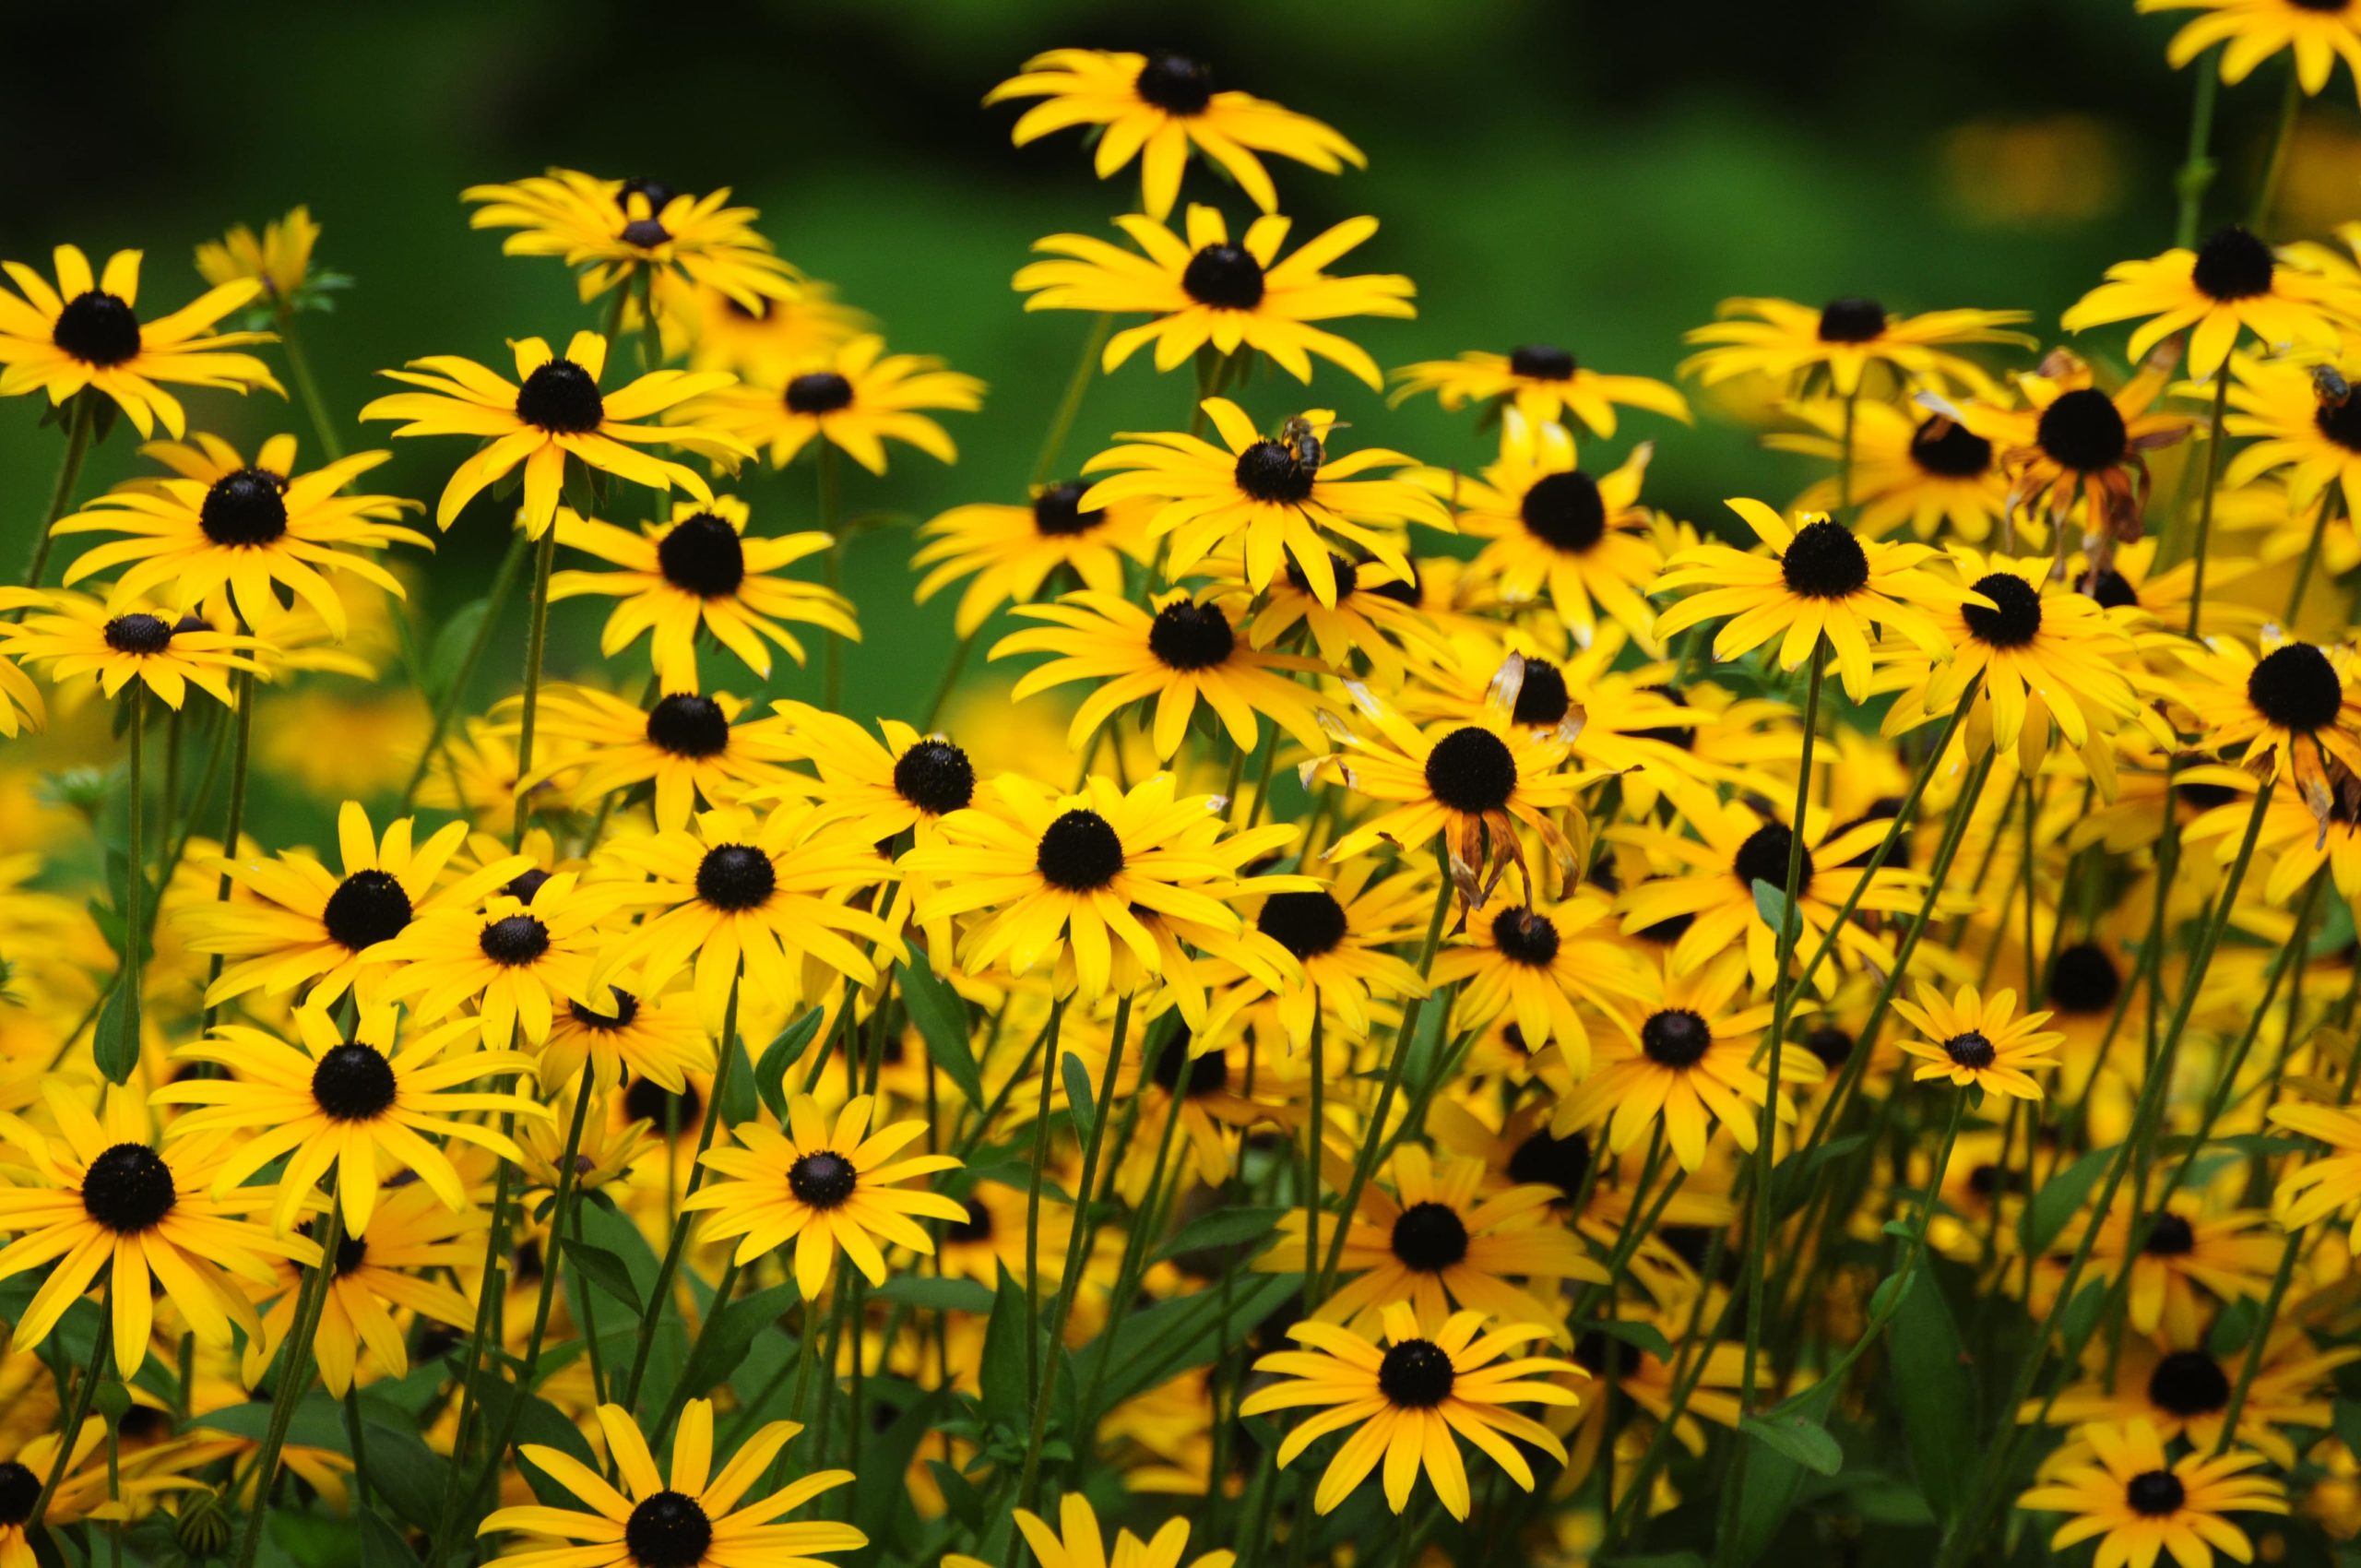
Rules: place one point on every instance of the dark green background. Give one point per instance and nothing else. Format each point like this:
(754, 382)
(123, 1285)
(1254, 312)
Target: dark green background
(1598, 175)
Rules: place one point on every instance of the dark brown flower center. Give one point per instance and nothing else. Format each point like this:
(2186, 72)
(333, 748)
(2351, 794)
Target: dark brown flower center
(1851, 320)
(128, 1189)
(703, 554)
(935, 777)
(823, 1179)
(2018, 619)
(667, 1530)
(1079, 852)
(1565, 512)
(1675, 1037)
(2082, 430)
(354, 1082)
(2233, 264)
(1540, 361)
(736, 876)
(2295, 687)
(1472, 771)
(1186, 636)
(561, 397)
(367, 907)
(1225, 276)
(142, 636)
(97, 328)
(246, 507)
(1416, 1375)
(818, 392)
(687, 725)
(1176, 84)
(1824, 561)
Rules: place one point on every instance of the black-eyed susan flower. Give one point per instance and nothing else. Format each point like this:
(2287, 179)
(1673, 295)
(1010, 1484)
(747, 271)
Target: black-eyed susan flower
(516, 960)
(1472, 785)
(1364, 621)
(1077, 1542)
(2287, 713)
(2322, 1184)
(279, 259)
(762, 893)
(1533, 962)
(300, 923)
(618, 1036)
(557, 412)
(2231, 283)
(1338, 936)
(84, 332)
(1910, 467)
(684, 746)
(1435, 1240)
(2184, 1250)
(2176, 1383)
(2074, 442)
(1064, 874)
(1817, 581)
(614, 232)
(2045, 660)
(2310, 431)
(1008, 552)
(350, 1103)
(1711, 868)
(893, 782)
(1841, 341)
(1180, 651)
(381, 1284)
(701, 571)
(754, 343)
(103, 1201)
(856, 397)
(1206, 291)
(687, 1517)
(1974, 1040)
(244, 530)
(1553, 531)
(1682, 1058)
(828, 1189)
(1157, 108)
(1265, 498)
(1410, 1403)
(85, 1489)
(1540, 381)
(2318, 33)
(2124, 1493)
(74, 635)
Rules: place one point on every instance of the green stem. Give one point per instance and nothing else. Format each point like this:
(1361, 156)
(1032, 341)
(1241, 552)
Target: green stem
(352, 1425)
(446, 706)
(961, 651)
(832, 656)
(294, 1373)
(2329, 497)
(134, 891)
(69, 471)
(1053, 440)
(537, 637)
(102, 1339)
(2205, 503)
(2283, 138)
(2196, 174)
(686, 1218)
(299, 367)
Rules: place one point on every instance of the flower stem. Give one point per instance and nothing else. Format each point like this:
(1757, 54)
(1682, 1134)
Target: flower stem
(2196, 173)
(294, 1372)
(2205, 502)
(2329, 497)
(1053, 440)
(299, 367)
(2291, 103)
(832, 656)
(537, 639)
(446, 706)
(101, 1341)
(69, 471)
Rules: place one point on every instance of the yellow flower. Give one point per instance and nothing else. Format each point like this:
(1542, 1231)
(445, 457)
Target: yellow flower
(2234, 281)
(857, 397)
(1157, 108)
(85, 333)
(558, 412)
(1209, 291)
(2320, 32)
(1977, 1042)
(1013, 550)
(612, 231)
(1840, 342)
(1541, 382)
(2121, 1489)
(76, 636)
(280, 260)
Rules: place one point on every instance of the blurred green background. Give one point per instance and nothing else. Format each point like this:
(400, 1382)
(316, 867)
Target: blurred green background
(1593, 175)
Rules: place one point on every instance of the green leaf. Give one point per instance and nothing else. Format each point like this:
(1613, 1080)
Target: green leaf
(1933, 1387)
(2081, 1316)
(1643, 1336)
(2060, 1199)
(1791, 1182)
(537, 1420)
(1008, 1389)
(1655, 1560)
(116, 1043)
(1176, 1335)
(941, 1014)
(451, 644)
(786, 1048)
(931, 1294)
(319, 1422)
(1078, 1092)
(382, 1546)
(606, 1270)
(404, 1473)
(1222, 1227)
(879, 1496)
(1804, 1441)
(1893, 1290)
(728, 1336)
(740, 1102)
(2234, 1330)
(1771, 903)
(2348, 1424)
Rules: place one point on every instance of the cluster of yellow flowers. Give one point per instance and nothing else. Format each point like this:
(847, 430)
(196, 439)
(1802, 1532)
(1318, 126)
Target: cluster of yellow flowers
(1600, 1051)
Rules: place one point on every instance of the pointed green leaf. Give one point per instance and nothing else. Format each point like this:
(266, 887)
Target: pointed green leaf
(941, 1014)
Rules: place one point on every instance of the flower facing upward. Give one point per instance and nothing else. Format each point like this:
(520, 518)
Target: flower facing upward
(1068, 878)
(612, 231)
(518, 961)
(825, 1189)
(302, 922)
(1269, 500)
(1156, 108)
(1979, 1041)
(1184, 652)
(1553, 531)
(701, 571)
(1541, 382)
(242, 530)
(279, 259)
(856, 397)
(1008, 552)
(107, 1201)
(1205, 291)
(85, 333)
(690, 1518)
(688, 747)
(763, 893)
(1533, 962)
(2320, 32)
(554, 411)
(2121, 1489)
(76, 636)
(2233, 282)
(1842, 340)
(1410, 1403)
(353, 1103)
(1817, 580)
